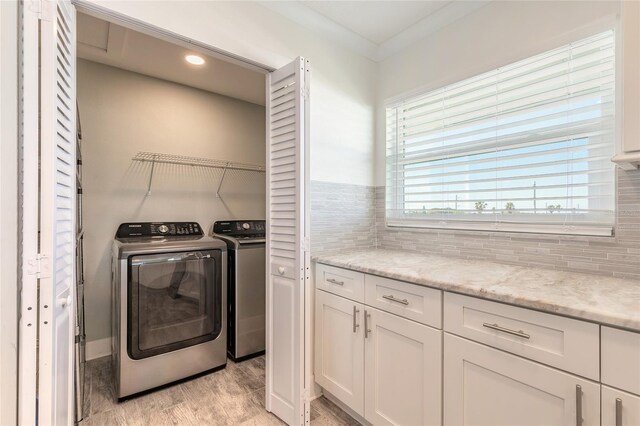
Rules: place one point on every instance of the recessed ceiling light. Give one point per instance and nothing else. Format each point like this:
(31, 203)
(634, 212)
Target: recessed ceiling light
(194, 59)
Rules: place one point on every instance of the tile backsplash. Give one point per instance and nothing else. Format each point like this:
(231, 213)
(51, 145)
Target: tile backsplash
(342, 217)
(351, 216)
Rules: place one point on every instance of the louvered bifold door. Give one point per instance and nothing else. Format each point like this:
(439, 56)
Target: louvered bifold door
(57, 214)
(287, 243)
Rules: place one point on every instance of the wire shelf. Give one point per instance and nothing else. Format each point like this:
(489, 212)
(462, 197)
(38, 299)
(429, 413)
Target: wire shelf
(156, 157)
(196, 161)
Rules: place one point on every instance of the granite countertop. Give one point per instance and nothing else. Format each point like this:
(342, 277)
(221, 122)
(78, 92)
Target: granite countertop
(606, 300)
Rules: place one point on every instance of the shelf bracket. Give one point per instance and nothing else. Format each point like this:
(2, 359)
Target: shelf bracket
(153, 165)
(224, 172)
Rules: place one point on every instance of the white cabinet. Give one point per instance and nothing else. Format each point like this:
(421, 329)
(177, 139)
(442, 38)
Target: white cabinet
(380, 351)
(385, 368)
(415, 302)
(485, 386)
(565, 343)
(402, 371)
(343, 282)
(619, 408)
(621, 370)
(628, 156)
(621, 359)
(339, 349)
(631, 76)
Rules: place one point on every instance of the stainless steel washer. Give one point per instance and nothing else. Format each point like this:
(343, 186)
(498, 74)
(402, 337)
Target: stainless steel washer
(169, 304)
(246, 305)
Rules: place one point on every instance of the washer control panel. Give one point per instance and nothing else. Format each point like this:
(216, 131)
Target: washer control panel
(240, 228)
(159, 229)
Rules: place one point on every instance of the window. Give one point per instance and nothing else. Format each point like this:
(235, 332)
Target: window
(523, 148)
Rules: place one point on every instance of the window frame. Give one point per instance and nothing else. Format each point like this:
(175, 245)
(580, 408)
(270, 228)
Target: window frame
(576, 229)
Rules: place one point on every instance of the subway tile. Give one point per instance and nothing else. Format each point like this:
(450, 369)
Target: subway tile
(362, 225)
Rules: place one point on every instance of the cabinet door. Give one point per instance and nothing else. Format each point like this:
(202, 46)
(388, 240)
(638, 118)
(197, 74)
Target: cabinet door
(621, 359)
(619, 408)
(485, 386)
(339, 360)
(403, 371)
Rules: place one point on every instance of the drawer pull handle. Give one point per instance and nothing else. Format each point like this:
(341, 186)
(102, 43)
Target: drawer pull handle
(355, 315)
(496, 327)
(618, 412)
(334, 281)
(393, 299)
(579, 405)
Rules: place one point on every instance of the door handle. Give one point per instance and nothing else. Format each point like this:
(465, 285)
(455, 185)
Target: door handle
(334, 281)
(618, 412)
(356, 311)
(367, 331)
(579, 405)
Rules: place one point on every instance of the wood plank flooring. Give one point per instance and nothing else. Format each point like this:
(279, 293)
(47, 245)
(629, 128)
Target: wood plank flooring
(233, 396)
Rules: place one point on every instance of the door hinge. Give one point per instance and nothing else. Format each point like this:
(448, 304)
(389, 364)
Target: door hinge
(304, 92)
(46, 10)
(305, 245)
(33, 7)
(305, 401)
(39, 266)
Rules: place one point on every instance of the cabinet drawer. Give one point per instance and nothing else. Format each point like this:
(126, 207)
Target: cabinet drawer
(343, 282)
(561, 342)
(421, 304)
(621, 359)
(619, 408)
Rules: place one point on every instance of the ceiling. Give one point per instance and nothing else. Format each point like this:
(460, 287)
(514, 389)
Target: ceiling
(375, 29)
(377, 21)
(110, 44)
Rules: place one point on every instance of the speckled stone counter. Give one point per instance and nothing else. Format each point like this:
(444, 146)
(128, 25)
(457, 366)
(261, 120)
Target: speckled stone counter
(609, 301)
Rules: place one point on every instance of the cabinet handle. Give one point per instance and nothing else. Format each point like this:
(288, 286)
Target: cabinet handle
(393, 299)
(366, 324)
(355, 314)
(618, 412)
(334, 281)
(496, 327)
(578, 405)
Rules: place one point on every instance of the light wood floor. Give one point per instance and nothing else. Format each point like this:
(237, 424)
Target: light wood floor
(233, 396)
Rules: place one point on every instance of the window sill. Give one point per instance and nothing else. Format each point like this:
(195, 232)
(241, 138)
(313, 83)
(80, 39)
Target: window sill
(513, 228)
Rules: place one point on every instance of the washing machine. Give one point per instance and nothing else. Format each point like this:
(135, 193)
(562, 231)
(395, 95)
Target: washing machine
(168, 304)
(246, 286)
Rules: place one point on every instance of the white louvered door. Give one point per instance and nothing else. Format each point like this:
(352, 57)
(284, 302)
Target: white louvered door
(288, 312)
(57, 212)
(30, 202)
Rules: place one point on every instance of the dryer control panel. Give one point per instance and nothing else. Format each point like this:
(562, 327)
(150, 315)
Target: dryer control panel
(240, 228)
(159, 229)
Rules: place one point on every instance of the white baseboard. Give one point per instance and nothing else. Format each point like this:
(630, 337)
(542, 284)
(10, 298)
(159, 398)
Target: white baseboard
(98, 348)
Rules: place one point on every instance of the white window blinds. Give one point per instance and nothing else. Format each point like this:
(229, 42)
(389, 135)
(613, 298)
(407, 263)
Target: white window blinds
(525, 147)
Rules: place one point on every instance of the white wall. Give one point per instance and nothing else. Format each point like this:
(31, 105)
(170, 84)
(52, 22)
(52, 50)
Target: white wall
(123, 113)
(8, 212)
(343, 83)
(497, 34)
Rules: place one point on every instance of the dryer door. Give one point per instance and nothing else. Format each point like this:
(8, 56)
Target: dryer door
(175, 301)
